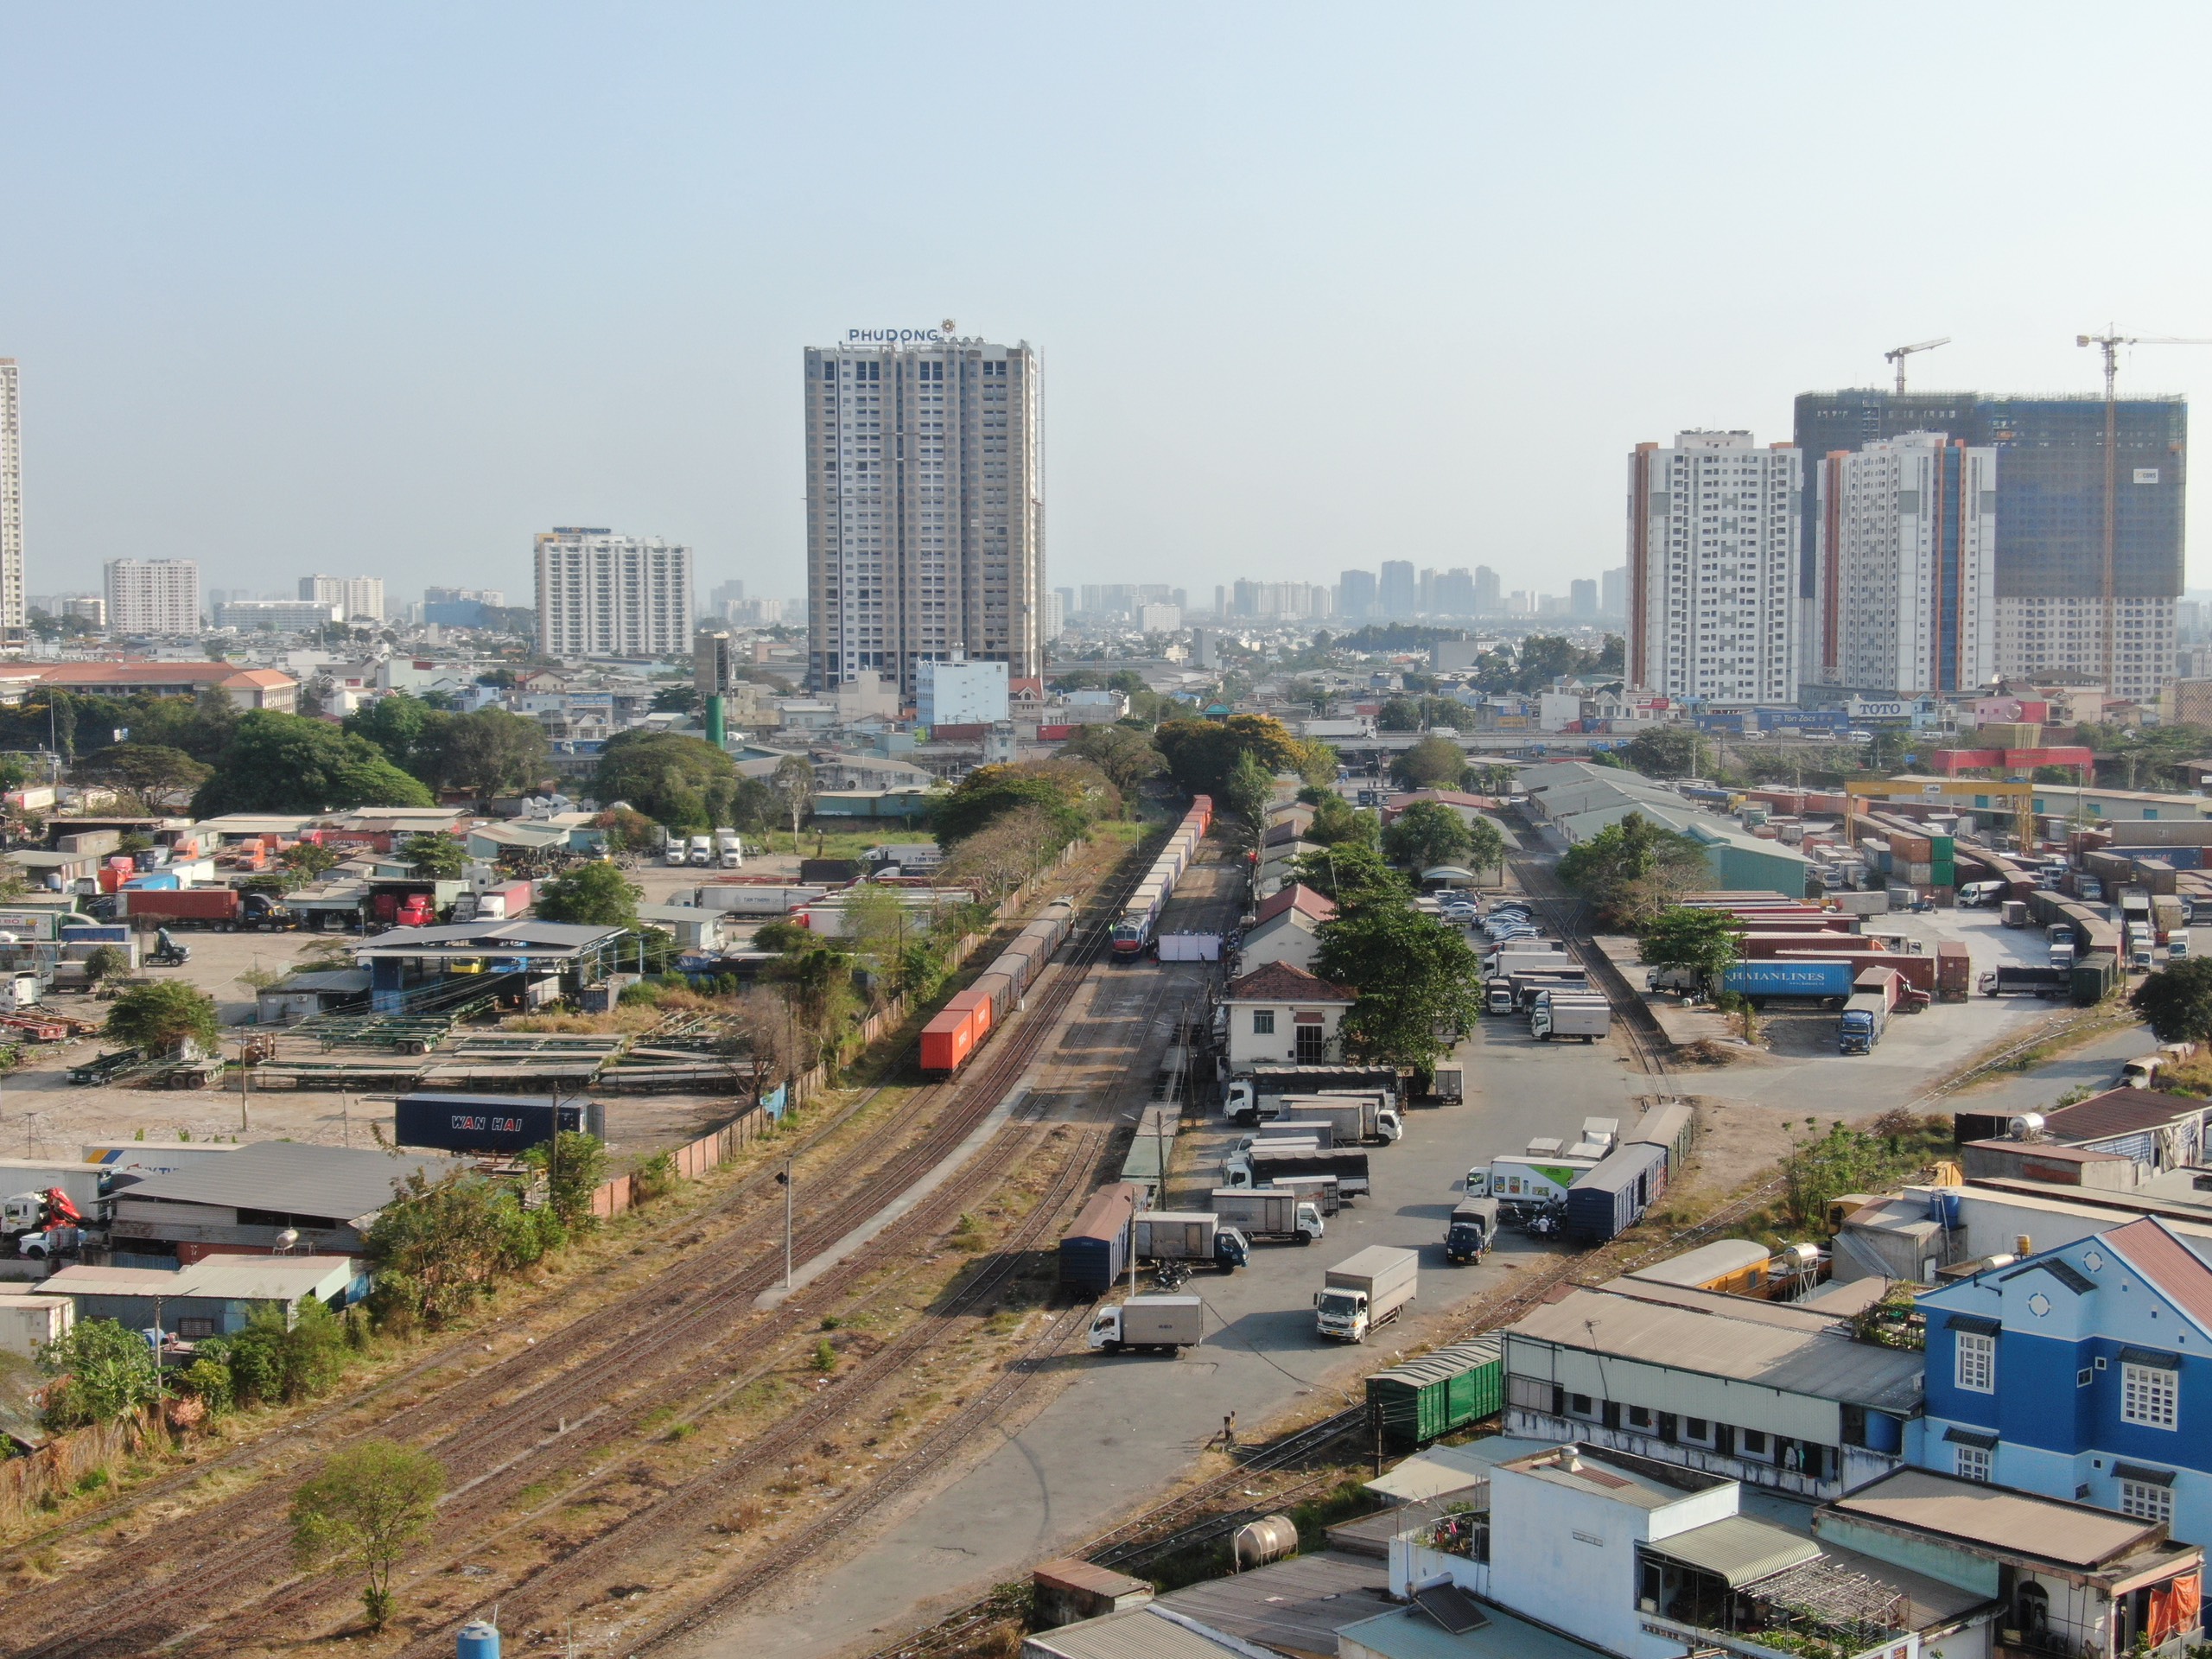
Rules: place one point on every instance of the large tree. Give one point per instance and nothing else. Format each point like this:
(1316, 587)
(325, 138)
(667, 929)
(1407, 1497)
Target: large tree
(593, 894)
(1071, 793)
(1427, 833)
(435, 856)
(368, 1504)
(1337, 821)
(1351, 873)
(1707, 942)
(1201, 752)
(2176, 1002)
(155, 772)
(286, 763)
(488, 753)
(1667, 752)
(792, 788)
(1418, 984)
(396, 723)
(154, 1018)
(1632, 870)
(683, 782)
(1127, 756)
(1248, 791)
(1433, 763)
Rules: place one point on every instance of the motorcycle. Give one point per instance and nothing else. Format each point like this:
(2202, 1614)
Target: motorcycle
(1547, 1223)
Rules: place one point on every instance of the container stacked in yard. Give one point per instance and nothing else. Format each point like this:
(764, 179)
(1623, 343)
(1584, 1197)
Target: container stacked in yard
(1152, 1150)
(1919, 972)
(1095, 1250)
(1436, 1395)
(959, 1028)
(1672, 1125)
(1953, 971)
(1828, 981)
(1134, 930)
(1761, 943)
(1610, 1198)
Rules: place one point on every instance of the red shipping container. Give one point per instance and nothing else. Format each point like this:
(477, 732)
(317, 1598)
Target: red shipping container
(948, 1039)
(978, 1001)
(1919, 972)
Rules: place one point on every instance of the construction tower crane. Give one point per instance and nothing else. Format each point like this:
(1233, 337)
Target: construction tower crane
(2110, 341)
(1902, 353)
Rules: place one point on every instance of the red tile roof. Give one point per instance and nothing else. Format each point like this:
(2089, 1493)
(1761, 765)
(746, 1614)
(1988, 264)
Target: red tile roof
(1281, 982)
(1297, 896)
(2172, 1269)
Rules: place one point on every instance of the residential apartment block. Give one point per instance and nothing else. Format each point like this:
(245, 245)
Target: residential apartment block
(1905, 596)
(602, 594)
(353, 596)
(12, 622)
(924, 508)
(1712, 539)
(153, 596)
(2049, 613)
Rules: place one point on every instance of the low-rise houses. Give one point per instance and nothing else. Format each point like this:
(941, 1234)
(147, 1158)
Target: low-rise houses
(1279, 1013)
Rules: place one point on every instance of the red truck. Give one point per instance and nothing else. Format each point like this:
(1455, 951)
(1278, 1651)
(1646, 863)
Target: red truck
(219, 907)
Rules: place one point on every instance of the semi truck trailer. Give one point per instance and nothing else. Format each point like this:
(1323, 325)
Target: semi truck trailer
(220, 907)
(1257, 1093)
(1261, 1166)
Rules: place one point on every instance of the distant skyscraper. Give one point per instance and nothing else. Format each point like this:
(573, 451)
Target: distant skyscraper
(1713, 564)
(12, 620)
(1398, 594)
(1612, 592)
(1490, 595)
(1056, 613)
(924, 508)
(1906, 589)
(1355, 595)
(602, 594)
(153, 596)
(725, 594)
(353, 596)
(2050, 484)
(1582, 599)
(1455, 592)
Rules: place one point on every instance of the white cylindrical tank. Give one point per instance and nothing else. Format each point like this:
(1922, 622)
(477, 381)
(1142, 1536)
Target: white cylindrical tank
(1268, 1539)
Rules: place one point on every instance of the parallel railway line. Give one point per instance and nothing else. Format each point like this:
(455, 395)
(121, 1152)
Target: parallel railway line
(574, 1395)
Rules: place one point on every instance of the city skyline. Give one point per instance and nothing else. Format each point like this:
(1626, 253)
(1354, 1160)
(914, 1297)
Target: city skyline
(653, 394)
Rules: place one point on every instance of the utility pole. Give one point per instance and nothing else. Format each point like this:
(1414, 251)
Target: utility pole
(2109, 343)
(784, 1180)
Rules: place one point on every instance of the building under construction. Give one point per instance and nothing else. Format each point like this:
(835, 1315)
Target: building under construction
(2050, 506)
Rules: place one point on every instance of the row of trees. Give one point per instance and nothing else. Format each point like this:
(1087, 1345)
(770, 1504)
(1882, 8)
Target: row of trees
(1416, 985)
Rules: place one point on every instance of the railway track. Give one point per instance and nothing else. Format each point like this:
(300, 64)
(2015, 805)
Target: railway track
(558, 1403)
(1195, 1517)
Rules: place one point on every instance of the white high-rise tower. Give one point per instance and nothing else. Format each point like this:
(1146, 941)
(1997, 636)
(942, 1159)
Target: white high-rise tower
(1712, 529)
(11, 509)
(925, 505)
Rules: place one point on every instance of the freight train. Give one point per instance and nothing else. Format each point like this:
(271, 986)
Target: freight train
(1139, 924)
(960, 1028)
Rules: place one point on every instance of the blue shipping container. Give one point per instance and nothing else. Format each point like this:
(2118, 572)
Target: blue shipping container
(1812, 979)
(95, 933)
(1095, 1251)
(1610, 1198)
(162, 878)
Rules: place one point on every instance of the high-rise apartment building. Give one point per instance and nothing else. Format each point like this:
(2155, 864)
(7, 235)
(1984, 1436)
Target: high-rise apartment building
(1455, 592)
(1582, 599)
(1905, 589)
(2050, 496)
(1355, 595)
(1712, 529)
(1056, 613)
(1612, 592)
(353, 596)
(153, 596)
(1489, 592)
(601, 594)
(924, 507)
(278, 615)
(1398, 592)
(12, 617)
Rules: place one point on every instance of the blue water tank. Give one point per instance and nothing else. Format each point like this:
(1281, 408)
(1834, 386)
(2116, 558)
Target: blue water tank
(477, 1640)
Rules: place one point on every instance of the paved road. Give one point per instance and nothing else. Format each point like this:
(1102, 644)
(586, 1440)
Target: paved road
(1125, 1427)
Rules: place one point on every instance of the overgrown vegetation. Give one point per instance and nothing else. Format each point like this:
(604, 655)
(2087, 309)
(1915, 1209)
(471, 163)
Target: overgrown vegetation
(1632, 871)
(1822, 1167)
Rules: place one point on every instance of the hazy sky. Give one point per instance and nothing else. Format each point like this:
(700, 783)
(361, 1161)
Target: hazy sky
(386, 288)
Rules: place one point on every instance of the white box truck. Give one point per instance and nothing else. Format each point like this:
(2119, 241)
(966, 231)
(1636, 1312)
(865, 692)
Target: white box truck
(1188, 1235)
(1356, 1115)
(729, 851)
(1149, 1323)
(1268, 1212)
(1588, 1018)
(677, 850)
(1258, 1094)
(1365, 1290)
(1263, 1163)
(702, 851)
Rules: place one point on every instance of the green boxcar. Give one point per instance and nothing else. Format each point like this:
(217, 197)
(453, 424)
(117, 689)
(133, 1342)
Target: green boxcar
(1427, 1398)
